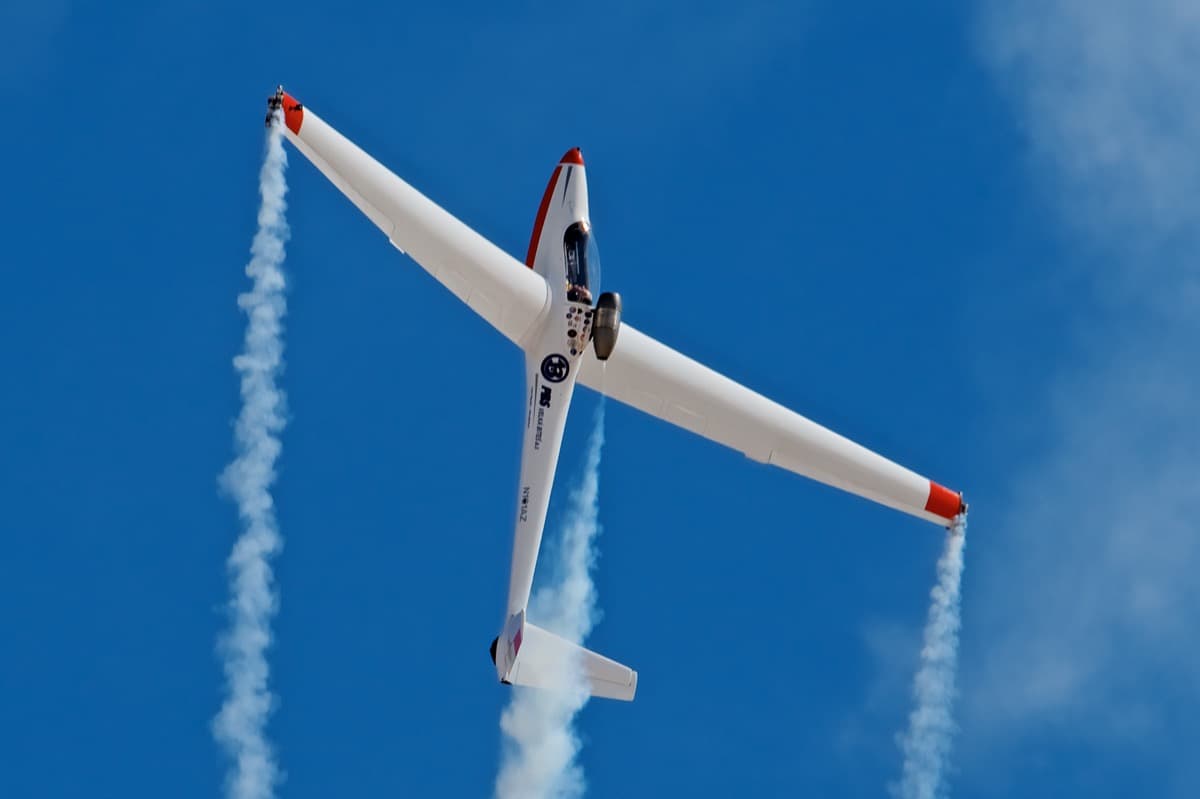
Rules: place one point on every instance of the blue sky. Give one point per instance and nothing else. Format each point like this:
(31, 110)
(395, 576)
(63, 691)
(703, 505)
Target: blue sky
(961, 233)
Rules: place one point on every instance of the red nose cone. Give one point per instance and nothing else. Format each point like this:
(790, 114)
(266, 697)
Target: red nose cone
(293, 113)
(573, 156)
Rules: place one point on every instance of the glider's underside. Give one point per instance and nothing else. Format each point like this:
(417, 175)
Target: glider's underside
(545, 306)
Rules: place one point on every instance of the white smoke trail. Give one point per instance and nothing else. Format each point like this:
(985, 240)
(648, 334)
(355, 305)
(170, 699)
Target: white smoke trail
(931, 727)
(541, 745)
(239, 726)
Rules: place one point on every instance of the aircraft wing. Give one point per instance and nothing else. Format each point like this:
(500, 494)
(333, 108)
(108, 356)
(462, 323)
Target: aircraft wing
(495, 285)
(654, 378)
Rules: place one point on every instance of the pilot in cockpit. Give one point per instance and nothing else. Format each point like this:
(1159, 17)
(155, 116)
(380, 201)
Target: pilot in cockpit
(575, 253)
(579, 294)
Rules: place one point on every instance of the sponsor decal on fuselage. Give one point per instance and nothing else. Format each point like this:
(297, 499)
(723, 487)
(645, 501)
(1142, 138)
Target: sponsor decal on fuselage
(555, 368)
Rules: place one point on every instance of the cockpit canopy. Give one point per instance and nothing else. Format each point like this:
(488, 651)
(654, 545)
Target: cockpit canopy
(582, 261)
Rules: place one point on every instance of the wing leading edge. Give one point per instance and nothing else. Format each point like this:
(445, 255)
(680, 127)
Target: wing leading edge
(641, 372)
(495, 285)
(662, 382)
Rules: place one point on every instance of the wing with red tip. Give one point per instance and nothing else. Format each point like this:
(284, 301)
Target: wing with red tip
(493, 283)
(656, 379)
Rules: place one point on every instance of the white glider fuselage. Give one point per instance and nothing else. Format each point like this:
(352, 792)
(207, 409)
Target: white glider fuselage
(558, 251)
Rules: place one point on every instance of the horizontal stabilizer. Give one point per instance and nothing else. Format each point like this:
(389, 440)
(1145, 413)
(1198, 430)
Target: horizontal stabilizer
(547, 661)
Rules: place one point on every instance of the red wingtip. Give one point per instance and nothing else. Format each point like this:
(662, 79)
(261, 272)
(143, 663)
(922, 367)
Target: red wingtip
(293, 113)
(943, 502)
(573, 156)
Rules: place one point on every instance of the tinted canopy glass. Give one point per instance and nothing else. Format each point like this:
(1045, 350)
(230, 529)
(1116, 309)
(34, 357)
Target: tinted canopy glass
(582, 262)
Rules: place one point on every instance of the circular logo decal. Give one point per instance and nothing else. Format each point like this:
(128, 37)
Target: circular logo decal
(555, 368)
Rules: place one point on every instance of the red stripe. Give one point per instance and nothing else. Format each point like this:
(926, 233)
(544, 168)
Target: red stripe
(541, 217)
(943, 502)
(293, 113)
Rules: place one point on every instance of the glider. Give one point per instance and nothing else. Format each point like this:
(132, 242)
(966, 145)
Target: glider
(550, 307)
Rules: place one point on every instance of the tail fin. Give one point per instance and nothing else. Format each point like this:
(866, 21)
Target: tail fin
(544, 662)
